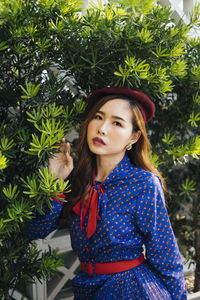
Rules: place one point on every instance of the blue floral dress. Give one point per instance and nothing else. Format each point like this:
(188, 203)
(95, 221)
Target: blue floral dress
(132, 219)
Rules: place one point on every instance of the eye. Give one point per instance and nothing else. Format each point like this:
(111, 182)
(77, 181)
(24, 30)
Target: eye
(118, 124)
(98, 117)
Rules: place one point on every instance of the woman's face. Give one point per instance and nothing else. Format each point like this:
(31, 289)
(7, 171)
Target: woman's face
(111, 129)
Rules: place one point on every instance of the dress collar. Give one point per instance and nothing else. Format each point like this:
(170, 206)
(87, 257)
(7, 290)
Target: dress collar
(120, 171)
(97, 196)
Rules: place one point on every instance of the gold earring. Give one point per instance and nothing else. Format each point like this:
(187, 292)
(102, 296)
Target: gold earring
(129, 147)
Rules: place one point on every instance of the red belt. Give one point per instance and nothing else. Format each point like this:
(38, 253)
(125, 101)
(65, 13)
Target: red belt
(111, 267)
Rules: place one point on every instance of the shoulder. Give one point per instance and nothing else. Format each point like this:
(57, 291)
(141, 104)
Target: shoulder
(144, 182)
(137, 174)
(128, 174)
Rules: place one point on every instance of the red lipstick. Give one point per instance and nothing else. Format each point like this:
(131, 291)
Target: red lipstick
(97, 141)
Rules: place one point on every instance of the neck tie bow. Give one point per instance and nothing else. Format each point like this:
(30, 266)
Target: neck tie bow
(92, 203)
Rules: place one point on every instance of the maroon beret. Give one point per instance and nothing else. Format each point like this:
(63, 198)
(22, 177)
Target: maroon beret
(145, 105)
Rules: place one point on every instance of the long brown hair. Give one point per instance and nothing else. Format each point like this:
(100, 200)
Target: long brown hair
(86, 161)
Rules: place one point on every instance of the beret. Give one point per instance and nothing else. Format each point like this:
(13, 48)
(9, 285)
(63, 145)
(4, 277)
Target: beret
(146, 106)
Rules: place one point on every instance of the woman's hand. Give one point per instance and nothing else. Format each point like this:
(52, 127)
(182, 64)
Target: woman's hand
(62, 163)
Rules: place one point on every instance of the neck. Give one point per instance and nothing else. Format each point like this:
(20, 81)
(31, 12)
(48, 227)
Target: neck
(106, 164)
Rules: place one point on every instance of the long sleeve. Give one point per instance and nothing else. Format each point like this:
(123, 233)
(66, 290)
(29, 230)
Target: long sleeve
(161, 247)
(40, 226)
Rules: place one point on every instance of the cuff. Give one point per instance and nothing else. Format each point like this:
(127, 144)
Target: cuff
(62, 196)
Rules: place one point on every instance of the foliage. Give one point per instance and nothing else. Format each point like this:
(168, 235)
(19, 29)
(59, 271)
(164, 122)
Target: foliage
(181, 157)
(20, 261)
(34, 121)
(51, 58)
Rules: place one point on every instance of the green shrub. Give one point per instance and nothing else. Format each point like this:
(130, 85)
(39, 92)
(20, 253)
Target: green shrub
(51, 58)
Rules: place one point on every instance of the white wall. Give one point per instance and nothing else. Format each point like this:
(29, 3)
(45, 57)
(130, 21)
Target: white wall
(182, 8)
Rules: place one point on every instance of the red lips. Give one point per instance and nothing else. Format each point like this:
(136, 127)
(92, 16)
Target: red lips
(97, 140)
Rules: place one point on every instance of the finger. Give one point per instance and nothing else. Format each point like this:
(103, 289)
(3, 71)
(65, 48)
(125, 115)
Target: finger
(63, 146)
(68, 147)
(69, 158)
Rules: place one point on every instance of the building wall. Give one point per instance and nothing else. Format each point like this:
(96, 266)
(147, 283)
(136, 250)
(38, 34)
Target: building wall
(181, 9)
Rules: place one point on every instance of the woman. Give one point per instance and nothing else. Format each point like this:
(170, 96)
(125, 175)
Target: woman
(117, 205)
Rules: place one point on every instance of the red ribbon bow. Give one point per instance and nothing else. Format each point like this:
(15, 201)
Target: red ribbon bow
(92, 204)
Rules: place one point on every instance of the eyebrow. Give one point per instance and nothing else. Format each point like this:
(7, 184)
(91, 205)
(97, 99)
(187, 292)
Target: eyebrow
(114, 117)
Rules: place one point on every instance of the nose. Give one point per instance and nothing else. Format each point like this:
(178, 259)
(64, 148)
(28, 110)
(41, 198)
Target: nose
(102, 129)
